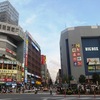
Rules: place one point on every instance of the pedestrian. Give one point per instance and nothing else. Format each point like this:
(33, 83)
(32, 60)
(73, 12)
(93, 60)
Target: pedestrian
(50, 90)
(36, 90)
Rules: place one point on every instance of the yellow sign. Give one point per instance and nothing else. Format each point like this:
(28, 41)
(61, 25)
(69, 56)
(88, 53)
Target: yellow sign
(8, 71)
(38, 82)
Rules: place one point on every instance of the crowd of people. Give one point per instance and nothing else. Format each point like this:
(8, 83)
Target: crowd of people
(80, 89)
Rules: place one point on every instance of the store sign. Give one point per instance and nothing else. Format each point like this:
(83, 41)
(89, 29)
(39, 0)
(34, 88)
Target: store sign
(8, 71)
(76, 55)
(93, 61)
(91, 49)
(10, 51)
(5, 80)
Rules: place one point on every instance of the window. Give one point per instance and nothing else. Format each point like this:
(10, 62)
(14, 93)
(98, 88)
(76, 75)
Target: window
(9, 66)
(8, 28)
(4, 66)
(12, 29)
(14, 67)
(4, 27)
(0, 66)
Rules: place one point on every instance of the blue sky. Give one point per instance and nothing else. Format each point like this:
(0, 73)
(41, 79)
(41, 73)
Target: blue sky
(45, 19)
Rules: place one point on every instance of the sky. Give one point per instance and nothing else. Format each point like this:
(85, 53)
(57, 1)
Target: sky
(45, 19)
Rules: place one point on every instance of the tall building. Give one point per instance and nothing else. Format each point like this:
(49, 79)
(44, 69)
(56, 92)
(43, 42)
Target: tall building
(43, 69)
(11, 52)
(80, 51)
(32, 60)
(8, 13)
(11, 45)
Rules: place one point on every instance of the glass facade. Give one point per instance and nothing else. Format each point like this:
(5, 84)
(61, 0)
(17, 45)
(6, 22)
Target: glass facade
(8, 13)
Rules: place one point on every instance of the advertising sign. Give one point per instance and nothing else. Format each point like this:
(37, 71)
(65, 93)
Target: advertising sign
(76, 55)
(43, 59)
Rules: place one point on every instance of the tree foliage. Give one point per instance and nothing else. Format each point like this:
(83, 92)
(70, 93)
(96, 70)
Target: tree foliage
(82, 79)
(95, 77)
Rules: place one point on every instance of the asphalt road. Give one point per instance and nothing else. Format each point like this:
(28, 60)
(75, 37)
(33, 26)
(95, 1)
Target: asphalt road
(45, 96)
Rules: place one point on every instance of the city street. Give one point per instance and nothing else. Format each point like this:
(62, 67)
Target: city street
(46, 96)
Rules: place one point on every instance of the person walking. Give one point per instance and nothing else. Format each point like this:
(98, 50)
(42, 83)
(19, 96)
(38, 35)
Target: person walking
(50, 90)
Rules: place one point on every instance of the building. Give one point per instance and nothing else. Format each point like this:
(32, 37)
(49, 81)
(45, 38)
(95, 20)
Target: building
(80, 51)
(11, 45)
(8, 13)
(20, 54)
(58, 77)
(32, 54)
(45, 75)
(11, 52)
(43, 69)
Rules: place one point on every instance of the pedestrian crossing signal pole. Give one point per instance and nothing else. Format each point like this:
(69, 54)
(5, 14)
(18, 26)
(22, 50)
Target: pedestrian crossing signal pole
(79, 91)
(65, 88)
(65, 92)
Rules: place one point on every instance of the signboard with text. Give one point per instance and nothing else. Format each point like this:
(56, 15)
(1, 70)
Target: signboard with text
(76, 55)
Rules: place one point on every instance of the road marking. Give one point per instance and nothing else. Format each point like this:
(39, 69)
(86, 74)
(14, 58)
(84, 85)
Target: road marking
(71, 98)
(9, 99)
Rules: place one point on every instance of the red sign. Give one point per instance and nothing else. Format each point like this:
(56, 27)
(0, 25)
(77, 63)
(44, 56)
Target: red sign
(43, 59)
(74, 54)
(5, 80)
(74, 59)
(2, 80)
(78, 49)
(79, 63)
(10, 51)
(78, 54)
(8, 80)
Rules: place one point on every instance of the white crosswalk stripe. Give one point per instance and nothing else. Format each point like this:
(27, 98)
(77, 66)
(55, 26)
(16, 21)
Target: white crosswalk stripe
(70, 98)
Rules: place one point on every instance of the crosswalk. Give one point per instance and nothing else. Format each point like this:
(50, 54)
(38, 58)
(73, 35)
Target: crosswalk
(70, 98)
(9, 99)
(59, 98)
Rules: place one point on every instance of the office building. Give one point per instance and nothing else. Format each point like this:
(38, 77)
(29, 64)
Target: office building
(32, 60)
(8, 13)
(11, 52)
(80, 51)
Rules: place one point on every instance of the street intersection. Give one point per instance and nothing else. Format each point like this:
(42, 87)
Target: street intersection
(47, 96)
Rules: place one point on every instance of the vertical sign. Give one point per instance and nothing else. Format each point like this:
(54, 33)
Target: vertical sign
(76, 55)
(26, 54)
(43, 59)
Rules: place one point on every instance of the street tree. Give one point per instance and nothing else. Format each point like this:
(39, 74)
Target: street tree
(82, 79)
(95, 77)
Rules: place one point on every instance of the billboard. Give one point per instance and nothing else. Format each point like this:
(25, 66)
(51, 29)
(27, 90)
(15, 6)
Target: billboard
(76, 55)
(43, 59)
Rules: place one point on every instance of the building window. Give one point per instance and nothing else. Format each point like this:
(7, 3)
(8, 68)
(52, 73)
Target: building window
(0, 26)
(12, 29)
(4, 27)
(0, 66)
(9, 66)
(14, 67)
(8, 28)
(17, 30)
(5, 66)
